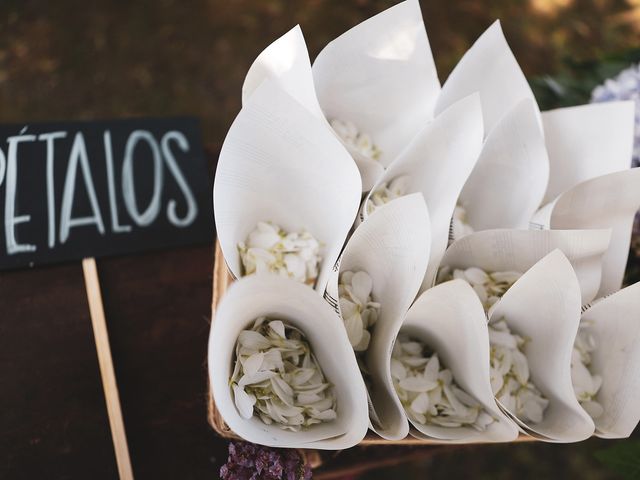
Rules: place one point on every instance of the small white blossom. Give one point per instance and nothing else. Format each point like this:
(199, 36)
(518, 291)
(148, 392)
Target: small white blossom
(585, 383)
(459, 224)
(396, 188)
(359, 311)
(427, 390)
(489, 286)
(268, 248)
(509, 374)
(277, 377)
(358, 141)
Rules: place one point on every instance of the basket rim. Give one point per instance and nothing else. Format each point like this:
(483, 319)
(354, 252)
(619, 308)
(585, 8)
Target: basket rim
(222, 279)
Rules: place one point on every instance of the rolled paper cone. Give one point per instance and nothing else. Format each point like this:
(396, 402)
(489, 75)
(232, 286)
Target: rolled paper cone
(518, 250)
(437, 163)
(613, 320)
(543, 307)
(286, 63)
(392, 247)
(297, 305)
(449, 319)
(281, 164)
(381, 76)
(507, 184)
(490, 68)
(579, 138)
(610, 201)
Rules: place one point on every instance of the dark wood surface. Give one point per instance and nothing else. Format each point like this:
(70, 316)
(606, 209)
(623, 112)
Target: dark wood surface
(52, 414)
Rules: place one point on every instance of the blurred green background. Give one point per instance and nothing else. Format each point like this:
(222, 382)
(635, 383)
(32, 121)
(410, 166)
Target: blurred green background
(73, 59)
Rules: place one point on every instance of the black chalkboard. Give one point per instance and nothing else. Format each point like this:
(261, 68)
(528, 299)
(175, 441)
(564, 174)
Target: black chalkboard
(91, 189)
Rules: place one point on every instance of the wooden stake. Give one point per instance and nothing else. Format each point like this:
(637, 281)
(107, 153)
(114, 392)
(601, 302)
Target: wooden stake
(109, 385)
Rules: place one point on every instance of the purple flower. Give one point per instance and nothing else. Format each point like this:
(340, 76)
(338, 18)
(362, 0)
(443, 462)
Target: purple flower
(625, 86)
(253, 462)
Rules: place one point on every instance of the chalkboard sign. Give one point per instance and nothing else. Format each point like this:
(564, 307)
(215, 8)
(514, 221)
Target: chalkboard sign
(91, 189)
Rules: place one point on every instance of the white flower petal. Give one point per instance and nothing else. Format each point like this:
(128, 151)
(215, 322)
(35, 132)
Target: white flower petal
(362, 285)
(355, 329)
(278, 327)
(476, 276)
(417, 384)
(253, 340)
(258, 377)
(253, 363)
(520, 366)
(420, 404)
(326, 415)
(244, 403)
(506, 277)
(398, 370)
(265, 236)
(432, 369)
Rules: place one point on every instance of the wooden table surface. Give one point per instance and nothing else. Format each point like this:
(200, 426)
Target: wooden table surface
(53, 420)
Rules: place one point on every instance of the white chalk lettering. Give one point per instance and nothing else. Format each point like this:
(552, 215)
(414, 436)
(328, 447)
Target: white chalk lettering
(11, 219)
(3, 165)
(111, 184)
(78, 157)
(50, 138)
(128, 186)
(192, 206)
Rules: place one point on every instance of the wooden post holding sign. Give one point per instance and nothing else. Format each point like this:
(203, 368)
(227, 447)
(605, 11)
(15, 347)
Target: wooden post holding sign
(76, 191)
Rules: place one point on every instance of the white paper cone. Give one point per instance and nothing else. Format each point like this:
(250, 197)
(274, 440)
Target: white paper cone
(519, 250)
(541, 220)
(507, 184)
(392, 246)
(490, 68)
(587, 141)
(609, 201)
(286, 63)
(614, 322)
(450, 320)
(543, 306)
(438, 162)
(380, 75)
(279, 163)
(296, 304)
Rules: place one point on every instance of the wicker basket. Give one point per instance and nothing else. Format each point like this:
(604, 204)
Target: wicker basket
(221, 281)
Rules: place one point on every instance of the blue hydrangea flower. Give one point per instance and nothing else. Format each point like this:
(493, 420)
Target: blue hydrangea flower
(625, 86)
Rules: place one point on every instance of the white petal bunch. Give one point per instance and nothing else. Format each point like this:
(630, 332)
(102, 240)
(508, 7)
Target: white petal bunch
(510, 379)
(489, 286)
(359, 311)
(277, 377)
(585, 383)
(427, 390)
(386, 192)
(269, 248)
(357, 140)
(459, 225)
